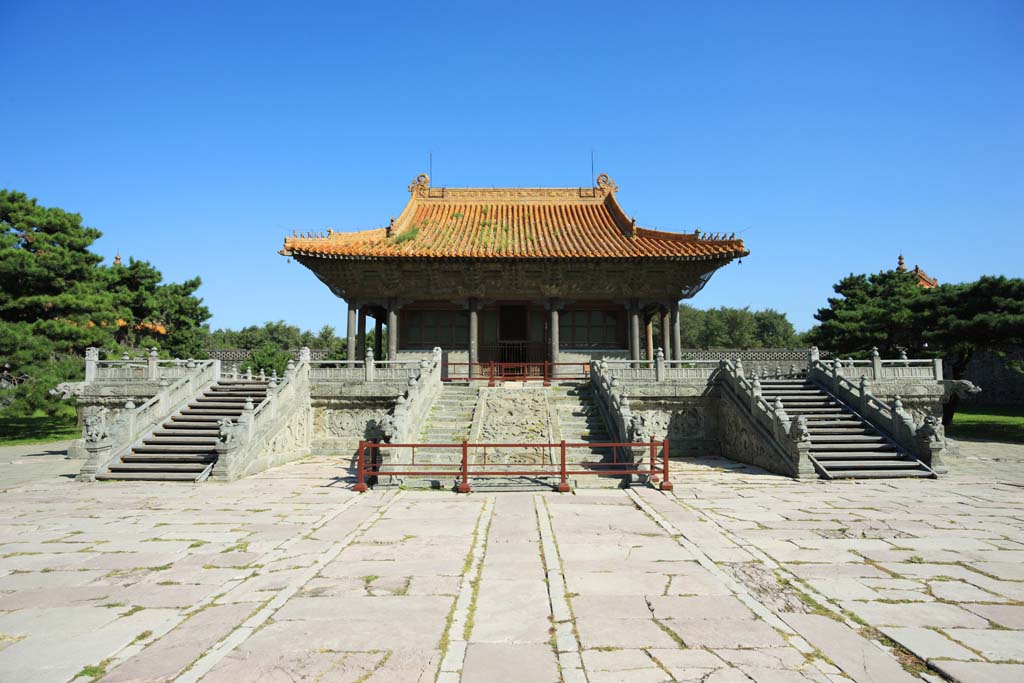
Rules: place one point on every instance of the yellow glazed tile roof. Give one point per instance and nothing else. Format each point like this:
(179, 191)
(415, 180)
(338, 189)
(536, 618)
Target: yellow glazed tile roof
(514, 223)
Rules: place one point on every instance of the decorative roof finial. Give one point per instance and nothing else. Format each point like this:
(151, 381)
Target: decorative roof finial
(117, 258)
(420, 185)
(606, 184)
(901, 265)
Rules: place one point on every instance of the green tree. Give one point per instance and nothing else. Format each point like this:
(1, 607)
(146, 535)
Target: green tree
(735, 328)
(269, 358)
(773, 330)
(691, 327)
(168, 316)
(56, 300)
(957, 320)
(51, 304)
(871, 310)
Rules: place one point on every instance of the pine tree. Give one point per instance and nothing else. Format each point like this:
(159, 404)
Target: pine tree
(871, 310)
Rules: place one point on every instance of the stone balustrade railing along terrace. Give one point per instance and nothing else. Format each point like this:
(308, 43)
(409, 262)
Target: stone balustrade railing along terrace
(278, 429)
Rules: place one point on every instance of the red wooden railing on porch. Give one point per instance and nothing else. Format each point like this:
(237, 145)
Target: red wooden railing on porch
(492, 372)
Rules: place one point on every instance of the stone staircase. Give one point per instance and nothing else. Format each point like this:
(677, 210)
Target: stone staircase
(449, 421)
(843, 444)
(183, 447)
(580, 421)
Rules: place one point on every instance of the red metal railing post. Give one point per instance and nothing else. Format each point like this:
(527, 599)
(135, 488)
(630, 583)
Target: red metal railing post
(654, 462)
(563, 486)
(547, 379)
(666, 485)
(464, 487)
(491, 384)
(360, 486)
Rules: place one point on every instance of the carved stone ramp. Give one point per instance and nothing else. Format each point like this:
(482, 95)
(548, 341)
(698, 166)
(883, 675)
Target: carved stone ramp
(843, 444)
(183, 447)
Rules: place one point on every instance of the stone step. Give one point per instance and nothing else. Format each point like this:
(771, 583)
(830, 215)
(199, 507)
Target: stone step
(196, 467)
(212, 413)
(175, 448)
(817, 437)
(216, 405)
(847, 446)
(160, 440)
(148, 476)
(879, 474)
(184, 422)
(178, 430)
(853, 455)
(803, 403)
(873, 464)
(169, 457)
(233, 401)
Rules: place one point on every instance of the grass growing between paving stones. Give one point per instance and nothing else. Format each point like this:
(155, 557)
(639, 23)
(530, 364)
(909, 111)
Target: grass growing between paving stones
(990, 424)
(445, 642)
(94, 671)
(467, 629)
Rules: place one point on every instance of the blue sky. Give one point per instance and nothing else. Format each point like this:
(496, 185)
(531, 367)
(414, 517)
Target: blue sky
(831, 135)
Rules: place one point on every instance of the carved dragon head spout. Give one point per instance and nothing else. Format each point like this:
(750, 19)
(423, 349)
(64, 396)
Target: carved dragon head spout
(66, 390)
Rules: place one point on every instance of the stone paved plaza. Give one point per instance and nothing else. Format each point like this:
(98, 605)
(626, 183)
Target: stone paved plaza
(736, 576)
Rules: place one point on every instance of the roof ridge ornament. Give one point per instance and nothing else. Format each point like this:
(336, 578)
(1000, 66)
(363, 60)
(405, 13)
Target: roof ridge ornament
(606, 184)
(420, 186)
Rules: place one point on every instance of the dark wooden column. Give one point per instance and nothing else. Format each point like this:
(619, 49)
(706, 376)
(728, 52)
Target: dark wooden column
(649, 336)
(393, 309)
(553, 324)
(474, 336)
(666, 332)
(634, 309)
(350, 331)
(677, 347)
(378, 337)
(361, 334)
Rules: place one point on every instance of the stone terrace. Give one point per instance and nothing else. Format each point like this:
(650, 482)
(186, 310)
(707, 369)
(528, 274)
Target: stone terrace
(737, 576)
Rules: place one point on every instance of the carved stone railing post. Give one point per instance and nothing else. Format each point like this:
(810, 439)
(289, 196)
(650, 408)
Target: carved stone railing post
(98, 453)
(902, 422)
(755, 394)
(305, 355)
(876, 364)
(247, 417)
(937, 368)
(92, 361)
(813, 356)
(903, 358)
(837, 371)
(659, 365)
(152, 366)
(739, 368)
(931, 443)
(368, 366)
(781, 416)
(863, 392)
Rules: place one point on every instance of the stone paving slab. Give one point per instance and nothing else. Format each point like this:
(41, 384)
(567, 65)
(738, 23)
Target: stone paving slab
(736, 576)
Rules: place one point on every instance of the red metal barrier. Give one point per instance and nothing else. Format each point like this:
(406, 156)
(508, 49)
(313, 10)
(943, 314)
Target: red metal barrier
(369, 463)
